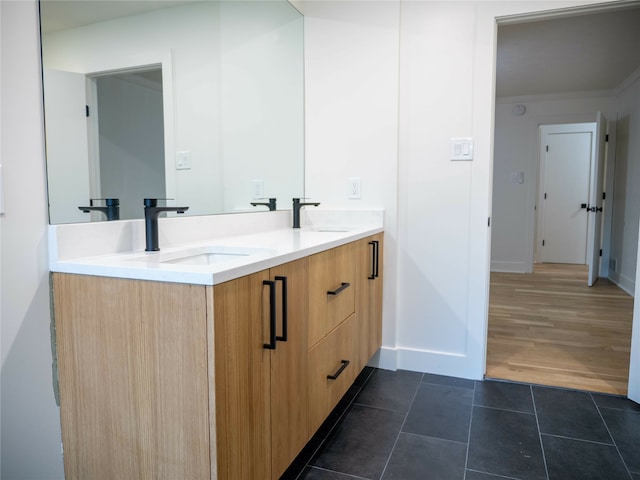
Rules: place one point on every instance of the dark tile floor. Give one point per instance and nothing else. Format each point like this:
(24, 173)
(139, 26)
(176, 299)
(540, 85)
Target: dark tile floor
(407, 425)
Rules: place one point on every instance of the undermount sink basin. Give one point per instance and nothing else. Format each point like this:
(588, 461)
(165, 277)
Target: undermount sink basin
(206, 255)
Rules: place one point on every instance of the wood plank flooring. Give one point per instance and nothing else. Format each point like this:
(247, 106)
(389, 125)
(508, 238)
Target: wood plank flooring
(549, 328)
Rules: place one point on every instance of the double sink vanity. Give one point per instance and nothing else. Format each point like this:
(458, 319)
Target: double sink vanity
(218, 356)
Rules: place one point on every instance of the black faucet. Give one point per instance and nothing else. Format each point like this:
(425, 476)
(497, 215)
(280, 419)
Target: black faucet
(111, 208)
(296, 210)
(271, 204)
(151, 213)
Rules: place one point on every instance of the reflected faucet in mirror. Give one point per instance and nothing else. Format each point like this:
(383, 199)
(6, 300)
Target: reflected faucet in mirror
(297, 205)
(111, 208)
(271, 204)
(151, 213)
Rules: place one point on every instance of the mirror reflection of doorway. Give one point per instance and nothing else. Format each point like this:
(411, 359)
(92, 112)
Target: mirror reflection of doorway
(126, 128)
(546, 326)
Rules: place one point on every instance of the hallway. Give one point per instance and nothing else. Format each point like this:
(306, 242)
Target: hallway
(549, 328)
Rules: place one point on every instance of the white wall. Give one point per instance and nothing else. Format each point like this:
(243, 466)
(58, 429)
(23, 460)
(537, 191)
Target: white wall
(516, 150)
(624, 246)
(351, 116)
(30, 419)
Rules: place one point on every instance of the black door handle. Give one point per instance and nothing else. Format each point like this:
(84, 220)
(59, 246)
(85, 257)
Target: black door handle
(272, 314)
(584, 205)
(285, 323)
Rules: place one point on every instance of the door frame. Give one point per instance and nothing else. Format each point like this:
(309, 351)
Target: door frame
(487, 19)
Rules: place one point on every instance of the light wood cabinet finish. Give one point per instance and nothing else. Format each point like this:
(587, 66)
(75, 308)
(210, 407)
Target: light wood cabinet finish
(369, 297)
(128, 410)
(328, 271)
(325, 359)
(261, 394)
(242, 379)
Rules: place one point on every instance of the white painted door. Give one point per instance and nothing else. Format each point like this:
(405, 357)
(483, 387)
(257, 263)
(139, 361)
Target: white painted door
(595, 200)
(565, 190)
(66, 143)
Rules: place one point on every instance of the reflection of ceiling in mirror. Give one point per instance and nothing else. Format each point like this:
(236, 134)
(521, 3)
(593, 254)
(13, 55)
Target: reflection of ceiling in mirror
(64, 14)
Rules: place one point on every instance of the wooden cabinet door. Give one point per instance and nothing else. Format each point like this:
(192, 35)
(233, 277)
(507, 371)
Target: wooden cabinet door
(261, 393)
(369, 297)
(132, 363)
(242, 378)
(289, 400)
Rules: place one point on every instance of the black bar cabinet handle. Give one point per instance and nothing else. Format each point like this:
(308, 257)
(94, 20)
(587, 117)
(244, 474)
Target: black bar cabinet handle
(344, 365)
(272, 314)
(338, 290)
(374, 259)
(283, 337)
(377, 246)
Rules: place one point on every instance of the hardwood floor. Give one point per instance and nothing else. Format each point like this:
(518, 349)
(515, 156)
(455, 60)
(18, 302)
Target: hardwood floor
(549, 328)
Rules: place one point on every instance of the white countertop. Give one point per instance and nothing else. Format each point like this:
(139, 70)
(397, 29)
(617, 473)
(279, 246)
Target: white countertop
(257, 251)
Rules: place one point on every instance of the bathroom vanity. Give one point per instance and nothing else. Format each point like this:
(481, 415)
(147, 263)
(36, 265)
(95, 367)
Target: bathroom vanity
(170, 368)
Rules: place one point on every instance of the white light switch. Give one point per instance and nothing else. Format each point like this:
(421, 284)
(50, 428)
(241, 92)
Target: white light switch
(462, 148)
(183, 160)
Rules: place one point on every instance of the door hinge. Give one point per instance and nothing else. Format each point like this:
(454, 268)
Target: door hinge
(543, 243)
(600, 252)
(606, 137)
(488, 221)
(545, 196)
(86, 110)
(547, 148)
(604, 195)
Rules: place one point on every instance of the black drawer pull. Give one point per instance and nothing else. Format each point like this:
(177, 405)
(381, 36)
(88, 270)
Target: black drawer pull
(339, 289)
(272, 315)
(344, 365)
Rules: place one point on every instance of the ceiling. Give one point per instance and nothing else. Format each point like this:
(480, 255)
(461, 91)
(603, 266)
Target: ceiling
(591, 51)
(580, 52)
(63, 14)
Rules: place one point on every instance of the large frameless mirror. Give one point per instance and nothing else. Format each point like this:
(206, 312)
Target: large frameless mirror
(198, 102)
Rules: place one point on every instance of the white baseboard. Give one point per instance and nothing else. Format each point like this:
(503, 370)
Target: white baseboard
(425, 361)
(624, 282)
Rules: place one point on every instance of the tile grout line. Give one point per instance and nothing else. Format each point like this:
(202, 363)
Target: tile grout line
(535, 411)
(613, 440)
(473, 404)
(406, 415)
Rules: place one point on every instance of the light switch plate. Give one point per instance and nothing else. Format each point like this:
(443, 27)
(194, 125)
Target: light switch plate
(462, 148)
(183, 160)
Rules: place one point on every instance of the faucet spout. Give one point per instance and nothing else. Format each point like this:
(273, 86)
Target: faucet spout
(297, 205)
(151, 214)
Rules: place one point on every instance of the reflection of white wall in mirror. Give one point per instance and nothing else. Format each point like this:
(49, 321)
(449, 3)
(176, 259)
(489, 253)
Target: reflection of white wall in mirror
(262, 66)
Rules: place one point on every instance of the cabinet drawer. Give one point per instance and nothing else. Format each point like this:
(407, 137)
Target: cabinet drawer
(332, 370)
(332, 276)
